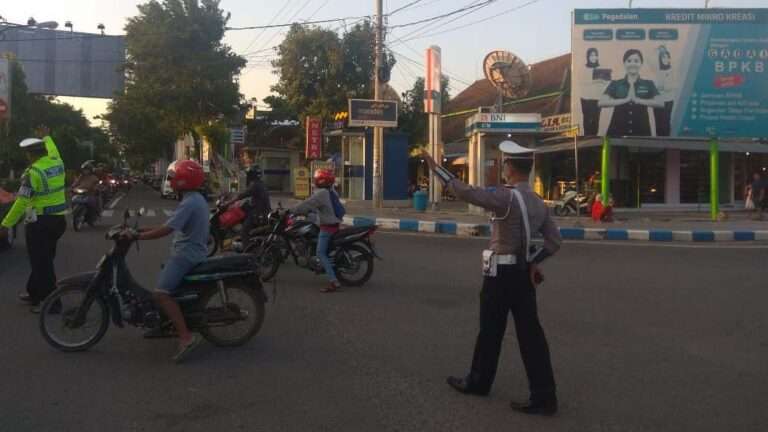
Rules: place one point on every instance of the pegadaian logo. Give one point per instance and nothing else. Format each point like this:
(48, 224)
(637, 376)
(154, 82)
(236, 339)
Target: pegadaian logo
(591, 16)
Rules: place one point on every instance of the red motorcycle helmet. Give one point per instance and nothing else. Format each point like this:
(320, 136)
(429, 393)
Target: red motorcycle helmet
(185, 175)
(324, 178)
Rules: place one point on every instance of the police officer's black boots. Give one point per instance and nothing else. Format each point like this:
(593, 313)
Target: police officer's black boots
(546, 406)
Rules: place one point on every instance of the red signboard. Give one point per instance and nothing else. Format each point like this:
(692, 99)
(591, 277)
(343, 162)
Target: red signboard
(314, 149)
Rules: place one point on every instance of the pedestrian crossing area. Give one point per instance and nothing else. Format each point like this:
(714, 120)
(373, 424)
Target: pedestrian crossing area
(148, 213)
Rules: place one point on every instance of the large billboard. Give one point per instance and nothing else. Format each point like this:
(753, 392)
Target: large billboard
(64, 63)
(670, 72)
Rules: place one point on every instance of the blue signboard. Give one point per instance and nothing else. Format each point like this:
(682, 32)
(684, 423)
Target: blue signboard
(671, 72)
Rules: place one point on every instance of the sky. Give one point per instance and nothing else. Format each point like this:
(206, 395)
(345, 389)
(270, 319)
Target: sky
(533, 29)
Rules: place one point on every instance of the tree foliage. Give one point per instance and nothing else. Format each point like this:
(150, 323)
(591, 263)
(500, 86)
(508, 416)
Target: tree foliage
(412, 119)
(318, 70)
(179, 75)
(69, 128)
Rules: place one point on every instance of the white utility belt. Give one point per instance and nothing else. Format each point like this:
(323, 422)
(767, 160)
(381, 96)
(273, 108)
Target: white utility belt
(491, 261)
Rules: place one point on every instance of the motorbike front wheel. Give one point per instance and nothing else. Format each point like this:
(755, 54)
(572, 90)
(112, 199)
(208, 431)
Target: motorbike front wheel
(269, 260)
(59, 325)
(78, 217)
(233, 317)
(354, 265)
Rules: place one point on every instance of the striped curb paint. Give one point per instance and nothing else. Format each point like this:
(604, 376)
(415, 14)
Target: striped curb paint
(568, 233)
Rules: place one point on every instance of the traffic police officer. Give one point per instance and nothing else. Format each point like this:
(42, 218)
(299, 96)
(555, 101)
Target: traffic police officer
(511, 273)
(41, 200)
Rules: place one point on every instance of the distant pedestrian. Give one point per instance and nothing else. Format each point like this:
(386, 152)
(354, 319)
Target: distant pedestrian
(759, 198)
(511, 274)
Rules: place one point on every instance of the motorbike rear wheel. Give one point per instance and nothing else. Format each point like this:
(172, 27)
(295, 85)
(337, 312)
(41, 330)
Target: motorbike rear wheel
(234, 321)
(57, 320)
(354, 265)
(213, 243)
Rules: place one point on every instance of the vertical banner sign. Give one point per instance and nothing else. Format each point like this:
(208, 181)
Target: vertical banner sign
(432, 91)
(670, 72)
(314, 149)
(5, 90)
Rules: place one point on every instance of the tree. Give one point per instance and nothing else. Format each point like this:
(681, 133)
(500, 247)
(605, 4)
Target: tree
(179, 75)
(412, 119)
(318, 70)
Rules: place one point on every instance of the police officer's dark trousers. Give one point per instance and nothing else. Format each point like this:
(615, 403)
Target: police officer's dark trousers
(511, 291)
(42, 237)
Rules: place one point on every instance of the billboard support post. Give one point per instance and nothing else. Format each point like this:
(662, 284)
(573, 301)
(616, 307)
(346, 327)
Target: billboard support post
(714, 180)
(605, 189)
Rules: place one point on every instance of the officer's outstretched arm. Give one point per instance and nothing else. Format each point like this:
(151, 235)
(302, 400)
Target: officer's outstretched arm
(51, 148)
(23, 200)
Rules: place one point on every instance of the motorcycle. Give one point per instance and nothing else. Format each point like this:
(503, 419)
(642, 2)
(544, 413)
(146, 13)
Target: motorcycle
(226, 223)
(222, 298)
(351, 250)
(83, 209)
(567, 206)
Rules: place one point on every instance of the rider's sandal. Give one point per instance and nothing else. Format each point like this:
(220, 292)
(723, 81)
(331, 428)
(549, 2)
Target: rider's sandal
(187, 349)
(335, 286)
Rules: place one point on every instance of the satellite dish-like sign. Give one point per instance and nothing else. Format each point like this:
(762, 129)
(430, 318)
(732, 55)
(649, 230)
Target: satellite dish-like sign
(507, 73)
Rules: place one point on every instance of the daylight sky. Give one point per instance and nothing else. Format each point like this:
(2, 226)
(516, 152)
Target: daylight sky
(533, 29)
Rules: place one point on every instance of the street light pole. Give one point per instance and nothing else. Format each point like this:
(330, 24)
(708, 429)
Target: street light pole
(378, 132)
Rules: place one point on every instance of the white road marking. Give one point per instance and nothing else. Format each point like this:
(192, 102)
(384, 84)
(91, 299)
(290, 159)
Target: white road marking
(115, 201)
(107, 213)
(150, 213)
(168, 212)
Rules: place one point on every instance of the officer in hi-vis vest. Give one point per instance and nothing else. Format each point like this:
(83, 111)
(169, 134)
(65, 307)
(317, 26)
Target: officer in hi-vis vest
(511, 273)
(41, 201)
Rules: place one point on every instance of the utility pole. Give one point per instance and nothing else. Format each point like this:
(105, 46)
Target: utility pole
(378, 132)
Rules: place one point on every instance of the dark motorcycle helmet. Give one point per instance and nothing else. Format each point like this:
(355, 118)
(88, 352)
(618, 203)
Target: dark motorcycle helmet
(254, 172)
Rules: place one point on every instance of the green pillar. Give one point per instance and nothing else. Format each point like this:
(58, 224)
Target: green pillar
(605, 189)
(714, 179)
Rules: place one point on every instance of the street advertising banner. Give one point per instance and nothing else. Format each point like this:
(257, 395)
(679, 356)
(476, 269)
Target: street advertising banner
(5, 90)
(372, 113)
(433, 100)
(314, 145)
(670, 72)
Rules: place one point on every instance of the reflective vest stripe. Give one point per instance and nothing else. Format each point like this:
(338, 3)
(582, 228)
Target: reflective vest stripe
(55, 209)
(43, 178)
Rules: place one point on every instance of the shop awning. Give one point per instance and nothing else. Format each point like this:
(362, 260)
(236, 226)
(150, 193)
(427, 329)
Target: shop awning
(656, 143)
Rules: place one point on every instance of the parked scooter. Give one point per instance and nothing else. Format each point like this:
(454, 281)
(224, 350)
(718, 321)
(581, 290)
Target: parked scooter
(567, 206)
(222, 298)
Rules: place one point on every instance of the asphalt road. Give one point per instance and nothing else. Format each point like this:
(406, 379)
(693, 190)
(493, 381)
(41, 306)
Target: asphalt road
(643, 338)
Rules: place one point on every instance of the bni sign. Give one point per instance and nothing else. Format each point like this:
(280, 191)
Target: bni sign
(372, 113)
(314, 149)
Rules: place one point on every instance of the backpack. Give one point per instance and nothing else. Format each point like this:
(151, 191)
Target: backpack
(338, 207)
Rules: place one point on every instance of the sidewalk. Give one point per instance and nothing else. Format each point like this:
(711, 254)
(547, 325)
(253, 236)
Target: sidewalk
(641, 225)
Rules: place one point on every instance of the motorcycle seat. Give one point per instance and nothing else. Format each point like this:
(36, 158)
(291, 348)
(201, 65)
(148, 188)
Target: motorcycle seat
(346, 232)
(225, 264)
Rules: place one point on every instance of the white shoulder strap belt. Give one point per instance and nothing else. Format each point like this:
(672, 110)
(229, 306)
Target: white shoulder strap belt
(524, 212)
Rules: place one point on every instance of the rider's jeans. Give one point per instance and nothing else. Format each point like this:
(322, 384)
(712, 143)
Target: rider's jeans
(323, 239)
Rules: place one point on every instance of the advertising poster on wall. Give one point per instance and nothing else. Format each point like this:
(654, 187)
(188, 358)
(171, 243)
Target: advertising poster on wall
(5, 90)
(670, 72)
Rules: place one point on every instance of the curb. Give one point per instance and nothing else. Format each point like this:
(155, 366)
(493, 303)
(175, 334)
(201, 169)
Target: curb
(600, 234)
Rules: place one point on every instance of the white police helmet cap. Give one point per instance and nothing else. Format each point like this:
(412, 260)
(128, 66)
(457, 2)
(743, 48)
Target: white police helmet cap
(513, 150)
(30, 142)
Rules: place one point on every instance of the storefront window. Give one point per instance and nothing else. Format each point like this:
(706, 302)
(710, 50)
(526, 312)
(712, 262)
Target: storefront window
(694, 177)
(650, 169)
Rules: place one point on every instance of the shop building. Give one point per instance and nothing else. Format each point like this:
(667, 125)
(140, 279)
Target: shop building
(644, 172)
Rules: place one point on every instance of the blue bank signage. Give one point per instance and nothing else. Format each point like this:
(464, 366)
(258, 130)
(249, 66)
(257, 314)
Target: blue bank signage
(670, 72)
(502, 123)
